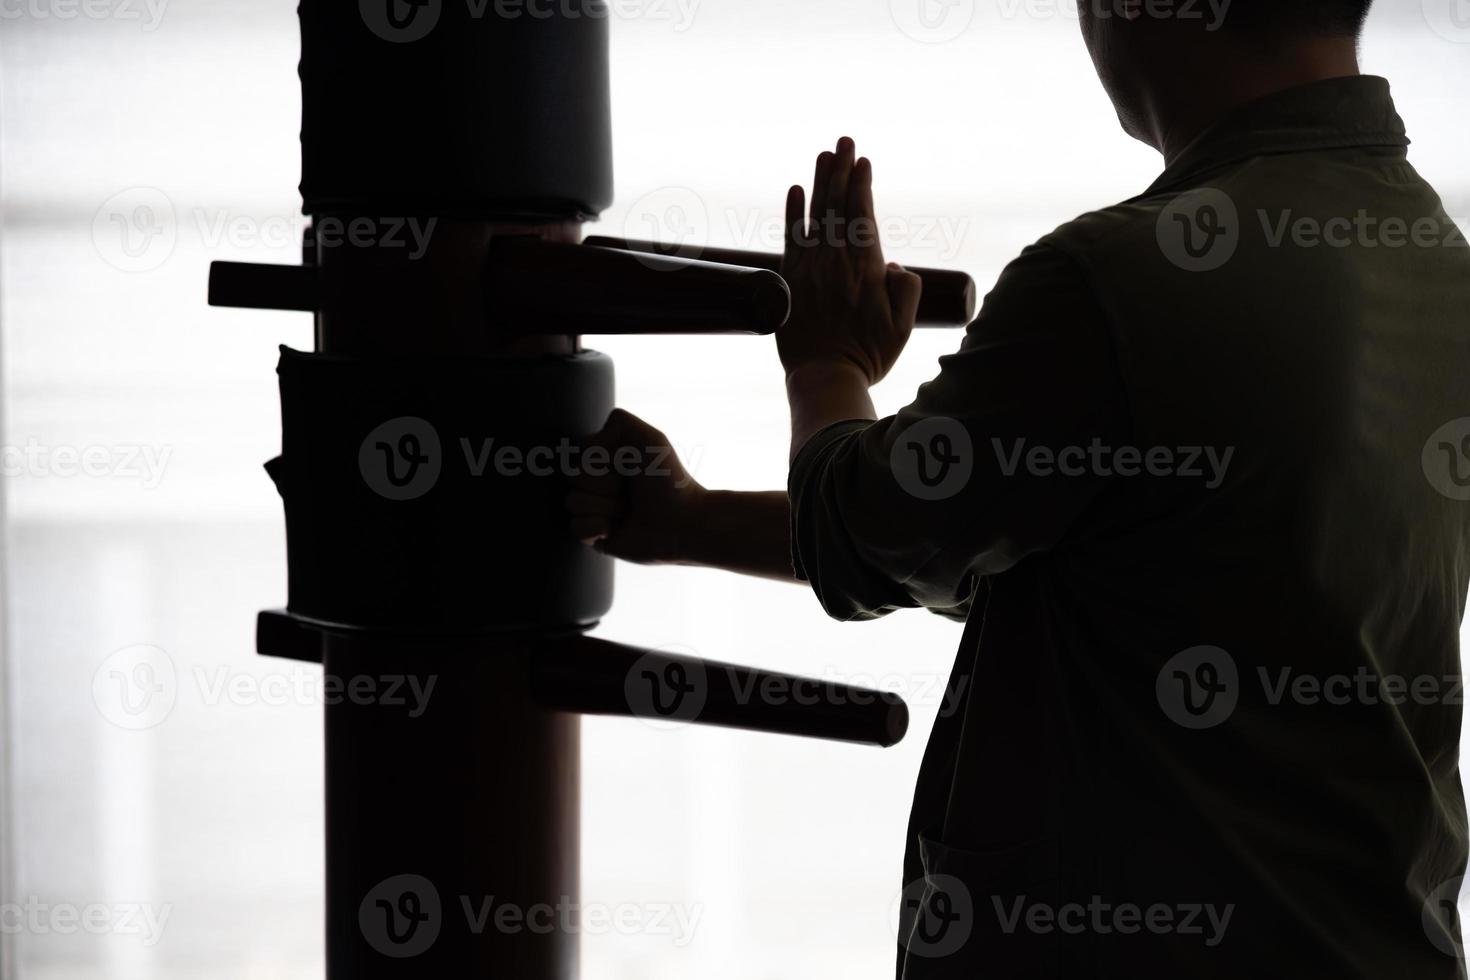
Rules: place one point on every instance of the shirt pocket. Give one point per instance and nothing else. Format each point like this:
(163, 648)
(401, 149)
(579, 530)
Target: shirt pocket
(989, 914)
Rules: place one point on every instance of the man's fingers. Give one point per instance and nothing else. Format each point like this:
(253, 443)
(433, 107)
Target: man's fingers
(837, 192)
(795, 218)
(620, 427)
(821, 187)
(862, 221)
(601, 481)
(589, 529)
(860, 190)
(579, 503)
(626, 428)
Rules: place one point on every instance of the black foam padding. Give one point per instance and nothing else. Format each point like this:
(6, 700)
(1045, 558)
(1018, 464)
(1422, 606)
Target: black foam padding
(463, 108)
(388, 524)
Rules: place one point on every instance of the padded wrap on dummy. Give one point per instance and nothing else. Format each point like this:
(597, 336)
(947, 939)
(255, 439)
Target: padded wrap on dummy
(485, 110)
(430, 546)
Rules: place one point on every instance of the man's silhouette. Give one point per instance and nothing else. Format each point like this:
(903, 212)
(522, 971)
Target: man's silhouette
(1195, 480)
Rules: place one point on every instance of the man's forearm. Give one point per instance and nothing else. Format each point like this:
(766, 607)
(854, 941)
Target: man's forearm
(745, 532)
(750, 532)
(821, 394)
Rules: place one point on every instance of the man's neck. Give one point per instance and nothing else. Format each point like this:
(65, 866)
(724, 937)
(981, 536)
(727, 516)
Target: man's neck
(1202, 91)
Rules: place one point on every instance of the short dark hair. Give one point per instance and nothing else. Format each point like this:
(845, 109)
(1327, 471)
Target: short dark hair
(1321, 18)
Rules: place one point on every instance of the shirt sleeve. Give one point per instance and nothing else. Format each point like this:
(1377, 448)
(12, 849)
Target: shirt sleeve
(989, 464)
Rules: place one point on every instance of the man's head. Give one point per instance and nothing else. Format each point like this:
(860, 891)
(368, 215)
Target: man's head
(1166, 62)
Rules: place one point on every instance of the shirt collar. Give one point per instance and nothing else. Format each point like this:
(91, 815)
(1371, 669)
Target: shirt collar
(1334, 113)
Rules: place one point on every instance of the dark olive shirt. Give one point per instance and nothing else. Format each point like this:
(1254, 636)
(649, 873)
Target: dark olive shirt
(1198, 479)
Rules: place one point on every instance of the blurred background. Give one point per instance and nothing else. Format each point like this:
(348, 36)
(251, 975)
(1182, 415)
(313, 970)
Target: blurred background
(142, 534)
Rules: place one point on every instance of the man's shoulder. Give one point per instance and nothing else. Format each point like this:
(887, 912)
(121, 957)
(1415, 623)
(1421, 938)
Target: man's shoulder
(1072, 264)
(1165, 237)
(1130, 223)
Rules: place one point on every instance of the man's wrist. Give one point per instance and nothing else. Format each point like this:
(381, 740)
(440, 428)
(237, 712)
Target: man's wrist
(822, 374)
(740, 531)
(688, 520)
(821, 393)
